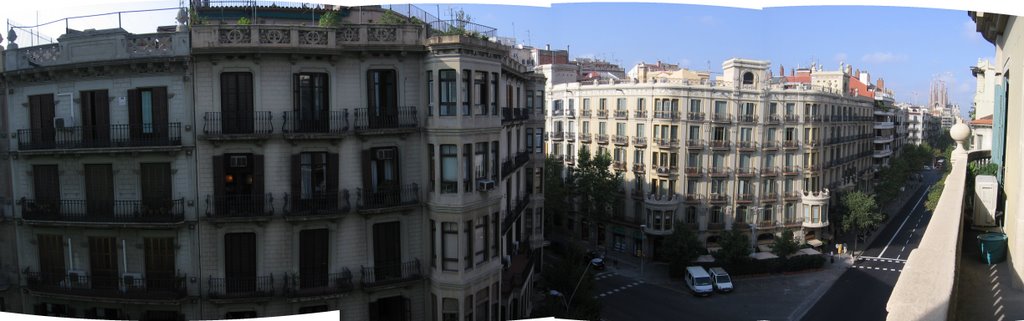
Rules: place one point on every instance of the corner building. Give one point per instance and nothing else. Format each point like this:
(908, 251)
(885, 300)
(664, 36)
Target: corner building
(746, 151)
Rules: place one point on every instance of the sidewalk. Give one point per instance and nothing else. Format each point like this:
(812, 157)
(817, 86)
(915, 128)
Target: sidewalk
(891, 209)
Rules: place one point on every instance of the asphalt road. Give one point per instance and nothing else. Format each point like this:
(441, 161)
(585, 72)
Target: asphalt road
(626, 299)
(862, 291)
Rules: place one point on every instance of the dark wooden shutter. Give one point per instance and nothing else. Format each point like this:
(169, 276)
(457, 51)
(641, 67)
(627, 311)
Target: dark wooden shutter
(257, 178)
(160, 265)
(103, 262)
(332, 174)
(469, 244)
(296, 197)
(218, 184)
(100, 194)
(367, 174)
(135, 114)
(397, 169)
(51, 258)
(387, 249)
(155, 180)
(390, 93)
(46, 179)
(160, 113)
(407, 308)
(42, 113)
(101, 115)
(314, 248)
(240, 262)
(372, 108)
(374, 312)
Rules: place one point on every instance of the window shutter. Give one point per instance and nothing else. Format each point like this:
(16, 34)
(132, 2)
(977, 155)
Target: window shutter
(367, 183)
(257, 176)
(296, 180)
(160, 112)
(332, 173)
(218, 181)
(134, 113)
(374, 314)
(407, 306)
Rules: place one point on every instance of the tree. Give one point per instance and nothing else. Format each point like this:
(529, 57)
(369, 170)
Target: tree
(735, 247)
(862, 213)
(681, 247)
(556, 191)
(596, 185)
(786, 245)
(329, 19)
(568, 275)
(390, 18)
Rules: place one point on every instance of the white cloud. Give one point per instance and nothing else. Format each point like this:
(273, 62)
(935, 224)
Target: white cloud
(883, 57)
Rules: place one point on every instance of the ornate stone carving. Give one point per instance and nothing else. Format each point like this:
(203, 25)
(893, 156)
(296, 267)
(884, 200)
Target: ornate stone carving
(234, 35)
(312, 37)
(275, 36)
(382, 34)
(49, 53)
(348, 34)
(147, 45)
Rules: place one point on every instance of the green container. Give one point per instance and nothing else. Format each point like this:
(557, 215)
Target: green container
(993, 247)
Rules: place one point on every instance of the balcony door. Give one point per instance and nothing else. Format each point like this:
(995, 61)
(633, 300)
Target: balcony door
(236, 103)
(315, 181)
(381, 174)
(46, 184)
(387, 251)
(160, 265)
(103, 263)
(147, 115)
(238, 184)
(99, 194)
(240, 262)
(95, 118)
(382, 98)
(155, 180)
(313, 258)
(51, 258)
(41, 108)
(312, 103)
(396, 308)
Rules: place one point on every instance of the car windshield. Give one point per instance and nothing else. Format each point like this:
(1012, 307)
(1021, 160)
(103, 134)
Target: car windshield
(702, 281)
(723, 279)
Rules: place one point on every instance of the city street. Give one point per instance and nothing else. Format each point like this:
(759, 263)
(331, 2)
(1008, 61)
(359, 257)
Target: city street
(861, 292)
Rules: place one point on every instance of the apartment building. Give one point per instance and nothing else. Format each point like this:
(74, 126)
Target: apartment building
(224, 170)
(102, 165)
(745, 151)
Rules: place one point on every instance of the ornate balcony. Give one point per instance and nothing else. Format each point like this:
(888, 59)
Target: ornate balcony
(113, 138)
(640, 114)
(791, 118)
(602, 114)
(746, 119)
(745, 198)
(640, 168)
(790, 170)
(719, 171)
(813, 118)
(241, 126)
(318, 285)
(692, 198)
(793, 222)
(127, 288)
(770, 145)
(791, 196)
(570, 136)
(400, 120)
(773, 120)
(791, 144)
(316, 205)
(640, 142)
(721, 118)
(556, 136)
(585, 137)
(747, 146)
(570, 159)
(812, 143)
(770, 171)
(694, 171)
(239, 207)
(347, 37)
(665, 114)
(695, 116)
(385, 275)
(240, 287)
(715, 198)
(769, 197)
(587, 113)
(385, 199)
(667, 143)
(694, 144)
(667, 171)
(602, 138)
(746, 172)
(719, 144)
(299, 125)
(94, 211)
(621, 140)
(619, 165)
(621, 114)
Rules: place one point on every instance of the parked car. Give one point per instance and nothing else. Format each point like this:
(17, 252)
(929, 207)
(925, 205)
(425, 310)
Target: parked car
(698, 281)
(720, 279)
(597, 264)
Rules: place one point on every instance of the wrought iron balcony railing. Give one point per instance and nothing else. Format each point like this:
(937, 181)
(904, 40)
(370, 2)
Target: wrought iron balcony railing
(722, 118)
(317, 204)
(104, 211)
(621, 140)
(126, 287)
(640, 142)
(298, 285)
(326, 122)
(232, 287)
(385, 197)
(121, 135)
(693, 116)
(231, 206)
(373, 276)
(241, 124)
(397, 118)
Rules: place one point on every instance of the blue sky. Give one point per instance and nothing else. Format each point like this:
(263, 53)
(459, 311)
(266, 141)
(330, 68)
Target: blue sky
(908, 47)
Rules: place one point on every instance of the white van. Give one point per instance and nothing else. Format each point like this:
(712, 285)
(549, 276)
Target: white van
(720, 279)
(698, 281)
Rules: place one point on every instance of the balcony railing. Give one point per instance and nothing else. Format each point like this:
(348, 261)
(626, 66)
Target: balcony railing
(385, 197)
(122, 135)
(570, 136)
(602, 113)
(693, 171)
(235, 124)
(770, 145)
(374, 120)
(640, 142)
(692, 116)
(773, 119)
(746, 145)
(317, 204)
(295, 285)
(236, 206)
(718, 198)
(746, 172)
(585, 138)
(126, 287)
(791, 144)
(927, 288)
(557, 136)
(237, 287)
(692, 198)
(334, 122)
(746, 118)
(721, 118)
(770, 171)
(621, 140)
(769, 197)
(744, 198)
(587, 113)
(665, 114)
(719, 171)
(640, 168)
(694, 144)
(791, 196)
(719, 144)
(666, 171)
(602, 138)
(381, 275)
(790, 170)
(621, 114)
(793, 222)
(667, 143)
(791, 118)
(93, 211)
(619, 165)
(640, 114)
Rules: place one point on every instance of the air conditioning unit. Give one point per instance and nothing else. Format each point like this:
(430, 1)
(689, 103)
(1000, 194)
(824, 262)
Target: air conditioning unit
(986, 192)
(385, 154)
(484, 185)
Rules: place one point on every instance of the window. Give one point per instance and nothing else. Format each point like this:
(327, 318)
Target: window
(620, 104)
(446, 92)
(469, 244)
(620, 129)
(147, 110)
(586, 127)
(467, 94)
(695, 106)
(640, 130)
(716, 215)
(538, 144)
(430, 92)
(449, 246)
(481, 160)
(311, 101)
(236, 102)
(449, 168)
(467, 165)
(480, 238)
(313, 178)
(694, 132)
(745, 134)
(494, 159)
(748, 78)
(640, 104)
(449, 309)
(494, 93)
(433, 165)
(382, 96)
(586, 104)
(433, 244)
(720, 108)
(480, 90)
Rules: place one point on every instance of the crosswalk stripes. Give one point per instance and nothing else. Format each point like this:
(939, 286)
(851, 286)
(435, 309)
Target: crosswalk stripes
(603, 275)
(877, 268)
(619, 289)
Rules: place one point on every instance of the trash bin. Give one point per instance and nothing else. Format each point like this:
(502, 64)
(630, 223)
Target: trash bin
(993, 247)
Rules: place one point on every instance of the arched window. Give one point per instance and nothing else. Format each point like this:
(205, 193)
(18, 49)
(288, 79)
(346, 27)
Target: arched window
(748, 78)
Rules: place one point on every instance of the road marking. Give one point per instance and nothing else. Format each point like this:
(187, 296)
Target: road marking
(904, 222)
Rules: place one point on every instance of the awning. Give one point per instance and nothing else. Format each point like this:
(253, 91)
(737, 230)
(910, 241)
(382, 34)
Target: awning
(763, 255)
(705, 258)
(814, 242)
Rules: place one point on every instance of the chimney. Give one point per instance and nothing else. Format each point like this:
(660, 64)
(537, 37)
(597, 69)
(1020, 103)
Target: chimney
(881, 83)
(849, 69)
(782, 71)
(547, 47)
(792, 72)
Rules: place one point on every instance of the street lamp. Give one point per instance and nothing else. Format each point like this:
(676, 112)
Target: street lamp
(643, 236)
(571, 296)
